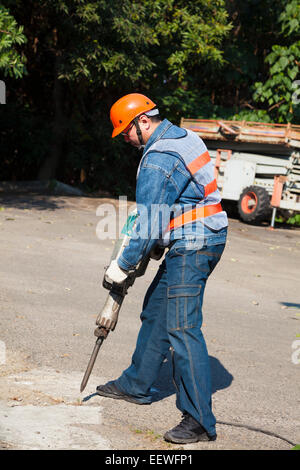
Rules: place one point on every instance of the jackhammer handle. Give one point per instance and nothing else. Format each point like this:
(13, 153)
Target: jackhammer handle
(108, 317)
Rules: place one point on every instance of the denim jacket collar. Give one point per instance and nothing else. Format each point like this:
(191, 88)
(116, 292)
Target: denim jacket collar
(157, 134)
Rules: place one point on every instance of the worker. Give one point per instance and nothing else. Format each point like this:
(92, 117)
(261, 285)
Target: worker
(175, 173)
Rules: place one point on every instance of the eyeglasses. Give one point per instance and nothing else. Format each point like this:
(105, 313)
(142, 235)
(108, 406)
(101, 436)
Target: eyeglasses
(128, 130)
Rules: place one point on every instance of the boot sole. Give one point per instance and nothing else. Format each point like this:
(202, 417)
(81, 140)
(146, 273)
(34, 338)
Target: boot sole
(120, 397)
(201, 438)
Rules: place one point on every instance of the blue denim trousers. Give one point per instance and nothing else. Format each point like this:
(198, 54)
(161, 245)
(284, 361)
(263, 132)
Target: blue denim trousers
(172, 318)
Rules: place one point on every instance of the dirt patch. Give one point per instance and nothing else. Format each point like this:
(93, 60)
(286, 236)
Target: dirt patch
(14, 362)
(41, 408)
(15, 395)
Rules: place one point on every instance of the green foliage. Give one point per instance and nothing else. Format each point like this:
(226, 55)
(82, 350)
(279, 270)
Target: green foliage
(278, 90)
(295, 220)
(290, 18)
(283, 61)
(195, 58)
(82, 55)
(12, 63)
(134, 41)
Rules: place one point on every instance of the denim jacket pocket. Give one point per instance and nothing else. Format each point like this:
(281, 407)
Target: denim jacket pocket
(183, 306)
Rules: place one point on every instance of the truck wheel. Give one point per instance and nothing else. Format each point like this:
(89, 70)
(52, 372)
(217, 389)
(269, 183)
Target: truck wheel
(254, 204)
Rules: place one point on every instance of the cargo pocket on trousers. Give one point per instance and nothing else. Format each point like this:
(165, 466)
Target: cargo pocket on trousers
(183, 306)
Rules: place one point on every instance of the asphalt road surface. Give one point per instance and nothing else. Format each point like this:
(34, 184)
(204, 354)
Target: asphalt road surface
(52, 264)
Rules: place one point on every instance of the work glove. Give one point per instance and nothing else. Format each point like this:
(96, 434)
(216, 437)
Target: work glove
(115, 274)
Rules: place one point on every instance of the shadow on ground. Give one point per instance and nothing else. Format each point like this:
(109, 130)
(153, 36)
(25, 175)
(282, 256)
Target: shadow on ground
(31, 201)
(164, 385)
(290, 304)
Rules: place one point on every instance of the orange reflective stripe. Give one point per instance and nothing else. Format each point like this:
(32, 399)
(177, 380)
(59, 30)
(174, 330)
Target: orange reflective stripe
(194, 214)
(199, 162)
(210, 187)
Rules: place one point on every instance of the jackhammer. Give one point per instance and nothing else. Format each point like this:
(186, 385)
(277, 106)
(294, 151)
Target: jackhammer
(107, 319)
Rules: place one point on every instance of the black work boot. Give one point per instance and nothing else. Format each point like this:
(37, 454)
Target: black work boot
(189, 430)
(111, 391)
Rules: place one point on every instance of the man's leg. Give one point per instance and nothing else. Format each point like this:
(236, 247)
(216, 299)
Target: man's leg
(187, 273)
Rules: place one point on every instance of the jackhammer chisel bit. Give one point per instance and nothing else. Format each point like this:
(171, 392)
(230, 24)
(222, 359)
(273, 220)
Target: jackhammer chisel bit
(106, 322)
(94, 355)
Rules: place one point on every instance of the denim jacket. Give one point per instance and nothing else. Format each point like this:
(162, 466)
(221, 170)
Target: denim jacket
(165, 188)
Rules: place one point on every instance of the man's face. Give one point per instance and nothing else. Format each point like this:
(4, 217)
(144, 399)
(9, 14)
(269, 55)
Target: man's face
(130, 135)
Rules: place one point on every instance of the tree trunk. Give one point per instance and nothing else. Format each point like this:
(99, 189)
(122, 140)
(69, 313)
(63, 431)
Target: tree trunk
(50, 165)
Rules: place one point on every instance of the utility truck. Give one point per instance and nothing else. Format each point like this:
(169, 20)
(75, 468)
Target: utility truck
(256, 164)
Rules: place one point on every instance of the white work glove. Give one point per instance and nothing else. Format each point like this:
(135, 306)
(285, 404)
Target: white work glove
(115, 274)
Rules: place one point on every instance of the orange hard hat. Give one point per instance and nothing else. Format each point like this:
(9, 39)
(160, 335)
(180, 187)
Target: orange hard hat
(126, 109)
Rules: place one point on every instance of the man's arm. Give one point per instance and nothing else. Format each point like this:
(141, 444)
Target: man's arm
(160, 182)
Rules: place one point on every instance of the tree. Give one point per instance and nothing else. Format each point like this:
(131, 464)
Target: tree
(84, 54)
(278, 91)
(12, 63)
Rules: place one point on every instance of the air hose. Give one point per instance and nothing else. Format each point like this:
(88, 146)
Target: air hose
(253, 428)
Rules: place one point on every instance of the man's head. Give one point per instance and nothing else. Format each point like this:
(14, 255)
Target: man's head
(135, 117)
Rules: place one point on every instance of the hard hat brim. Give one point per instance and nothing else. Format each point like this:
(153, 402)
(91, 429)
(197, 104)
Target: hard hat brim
(118, 131)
